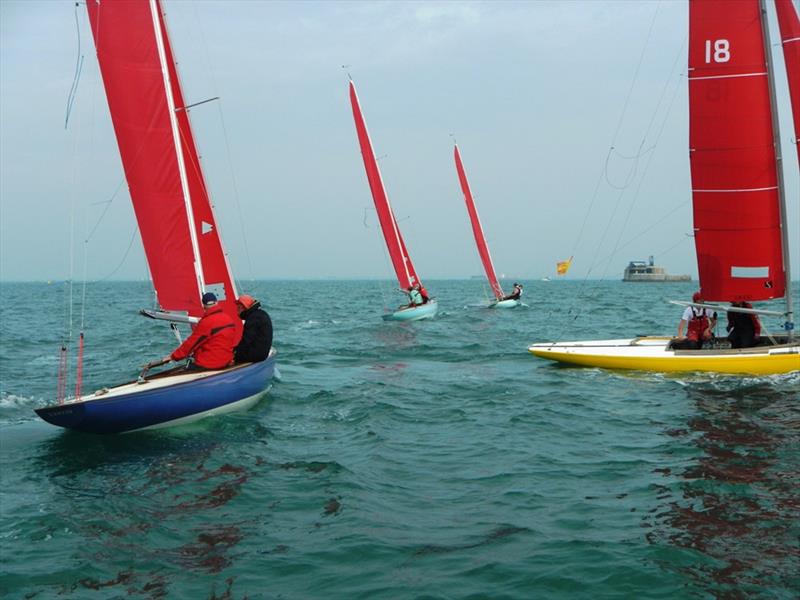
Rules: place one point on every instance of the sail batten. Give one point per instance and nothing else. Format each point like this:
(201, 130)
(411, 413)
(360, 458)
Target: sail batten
(477, 229)
(736, 205)
(401, 261)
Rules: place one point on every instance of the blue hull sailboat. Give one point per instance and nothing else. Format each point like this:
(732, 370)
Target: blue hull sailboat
(176, 220)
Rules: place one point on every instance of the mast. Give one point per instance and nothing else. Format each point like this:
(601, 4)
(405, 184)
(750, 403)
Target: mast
(162, 57)
(789, 325)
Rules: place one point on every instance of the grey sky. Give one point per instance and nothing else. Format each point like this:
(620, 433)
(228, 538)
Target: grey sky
(533, 91)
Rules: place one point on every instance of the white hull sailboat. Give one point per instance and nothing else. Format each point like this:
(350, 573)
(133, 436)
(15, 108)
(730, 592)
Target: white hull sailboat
(741, 230)
(401, 261)
(500, 300)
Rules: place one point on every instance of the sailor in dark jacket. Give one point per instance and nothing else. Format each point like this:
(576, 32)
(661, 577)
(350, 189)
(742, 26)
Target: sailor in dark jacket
(257, 335)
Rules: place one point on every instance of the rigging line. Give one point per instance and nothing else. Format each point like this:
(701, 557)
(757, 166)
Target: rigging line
(631, 173)
(675, 245)
(388, 266)
(236, 197)
(641, 182)
(645, 230)
(646, 166)
(124, 257)
(73, 90)
(105, 210)
(616, 133)
(636, 74)
(658, 137)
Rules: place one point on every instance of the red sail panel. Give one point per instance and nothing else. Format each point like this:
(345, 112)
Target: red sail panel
(790, 40)
(216, 272)
(403, 268)
(734, 180)
(477, 230)
(127, 53)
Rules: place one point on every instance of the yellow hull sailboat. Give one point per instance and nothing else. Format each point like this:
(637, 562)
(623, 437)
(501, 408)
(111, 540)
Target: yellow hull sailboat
(740, 224)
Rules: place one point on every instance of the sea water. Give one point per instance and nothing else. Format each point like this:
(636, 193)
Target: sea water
(435, 459)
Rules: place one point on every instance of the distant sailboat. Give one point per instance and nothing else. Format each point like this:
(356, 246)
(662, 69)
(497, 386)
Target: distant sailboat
(403, 267)
(179, 232)
(741, 230)
(500, 300)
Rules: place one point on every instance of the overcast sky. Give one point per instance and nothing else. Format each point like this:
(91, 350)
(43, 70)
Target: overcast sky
(536, 94)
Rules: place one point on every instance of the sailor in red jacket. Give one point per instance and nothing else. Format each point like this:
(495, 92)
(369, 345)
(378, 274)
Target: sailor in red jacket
(212, 341)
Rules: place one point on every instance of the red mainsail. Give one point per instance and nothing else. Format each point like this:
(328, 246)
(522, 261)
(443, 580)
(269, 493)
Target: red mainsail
(403, 267)
(734, 180)
(477, 230)
(790, 40)
(179, 233)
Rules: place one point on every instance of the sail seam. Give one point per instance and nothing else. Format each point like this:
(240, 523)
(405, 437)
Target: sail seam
(762, 189)
(729, 76)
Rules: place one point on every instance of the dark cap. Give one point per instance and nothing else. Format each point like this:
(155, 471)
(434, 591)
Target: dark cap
(209, 298)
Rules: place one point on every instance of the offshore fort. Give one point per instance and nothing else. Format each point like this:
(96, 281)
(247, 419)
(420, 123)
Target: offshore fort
(639, 270)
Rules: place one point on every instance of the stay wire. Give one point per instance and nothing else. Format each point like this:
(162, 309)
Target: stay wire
(616, 132)
(650, 157)
(73, 91)
(236, 195)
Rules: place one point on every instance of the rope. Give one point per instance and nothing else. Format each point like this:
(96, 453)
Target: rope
(382, 287)
(79, 370)
(650, 151)
(236, 197)
(61, 388)
(73, 90)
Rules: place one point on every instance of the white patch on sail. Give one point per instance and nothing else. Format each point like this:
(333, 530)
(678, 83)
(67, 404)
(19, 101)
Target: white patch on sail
(206, 227)
(750, 272)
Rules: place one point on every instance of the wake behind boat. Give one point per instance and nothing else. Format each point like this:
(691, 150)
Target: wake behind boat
(183, 248)
(738, 193)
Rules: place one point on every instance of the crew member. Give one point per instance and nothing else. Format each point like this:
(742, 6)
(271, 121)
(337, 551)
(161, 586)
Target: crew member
(744, 328)
(211, 344)
(257, 334)
(698, 322)
(516, 293)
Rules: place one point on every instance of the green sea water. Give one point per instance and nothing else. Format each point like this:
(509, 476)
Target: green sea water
(435, 459)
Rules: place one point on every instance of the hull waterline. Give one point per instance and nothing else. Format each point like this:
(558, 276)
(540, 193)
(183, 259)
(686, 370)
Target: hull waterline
(505, 304)
(414, 313)
(654, 354)
(165, 401)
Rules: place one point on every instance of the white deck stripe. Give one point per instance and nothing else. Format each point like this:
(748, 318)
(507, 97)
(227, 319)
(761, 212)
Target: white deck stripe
(790, 40)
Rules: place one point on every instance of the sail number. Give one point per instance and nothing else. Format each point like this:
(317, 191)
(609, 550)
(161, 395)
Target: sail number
(722, 51)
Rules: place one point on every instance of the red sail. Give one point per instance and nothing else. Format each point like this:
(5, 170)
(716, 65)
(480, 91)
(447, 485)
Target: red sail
(477, 230)
(403, 268)
(166, 185)
(790, 39)
(734, 180)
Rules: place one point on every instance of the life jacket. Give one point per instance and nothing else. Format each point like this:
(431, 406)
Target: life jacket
(212, 341)
(698, 323)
